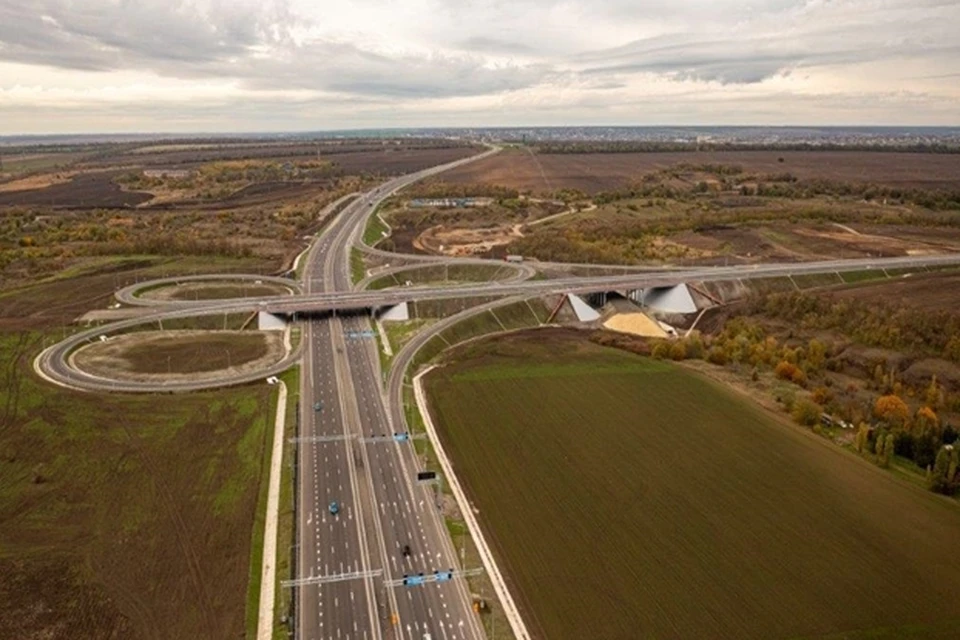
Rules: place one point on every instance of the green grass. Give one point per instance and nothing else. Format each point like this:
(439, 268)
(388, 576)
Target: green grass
(400, 332)
(358, 269)
(435, 274)
(375, 231)
(862, 276)
(775, 284)
(643, 491)
(813, 280)
(516, 315)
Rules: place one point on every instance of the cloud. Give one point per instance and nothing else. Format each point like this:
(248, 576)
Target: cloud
(117, 34)
(484, 60)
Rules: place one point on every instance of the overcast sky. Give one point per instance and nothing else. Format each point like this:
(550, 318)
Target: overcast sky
(287, 65)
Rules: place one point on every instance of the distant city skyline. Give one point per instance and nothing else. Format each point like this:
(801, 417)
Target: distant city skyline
(236, 66)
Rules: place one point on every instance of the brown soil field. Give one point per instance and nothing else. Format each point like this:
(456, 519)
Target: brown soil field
(125, 516)
(59, 302)
(268, 193)
(85, 191)
(642, 500)
(929, 292)
(395, 162)
(179, 355)
(594, 172)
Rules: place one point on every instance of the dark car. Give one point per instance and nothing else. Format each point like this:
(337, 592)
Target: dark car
(406, 551)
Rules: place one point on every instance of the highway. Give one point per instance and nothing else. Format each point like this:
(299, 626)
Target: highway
(346, 452)
(346, 455)
(365, 300)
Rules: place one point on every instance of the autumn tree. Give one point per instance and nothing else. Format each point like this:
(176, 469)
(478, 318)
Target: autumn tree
(891, 409)
(863, 438)
(933, 396)
(889, 448)
(885, 449)
(816, 354)
(927, 419)
(943, 476)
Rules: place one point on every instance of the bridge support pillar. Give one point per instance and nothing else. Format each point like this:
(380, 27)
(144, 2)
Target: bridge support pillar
(270, 322)
(585, 313)
(399, 312)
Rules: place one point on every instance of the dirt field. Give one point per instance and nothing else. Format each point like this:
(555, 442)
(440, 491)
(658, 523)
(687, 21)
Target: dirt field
(176, 355)
(639, 500)
(595, 172)
(124, 516)
(60, 301)
(85, 191)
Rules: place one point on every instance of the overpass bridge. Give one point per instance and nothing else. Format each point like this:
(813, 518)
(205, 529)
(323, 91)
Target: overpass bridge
(369, 300)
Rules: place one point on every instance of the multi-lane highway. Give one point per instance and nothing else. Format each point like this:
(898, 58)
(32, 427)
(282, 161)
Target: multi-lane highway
(346, 561)
(388, 526)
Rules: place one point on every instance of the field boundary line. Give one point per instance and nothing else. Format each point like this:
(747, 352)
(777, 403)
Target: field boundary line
(489, 563)
(497, 319)
(268, 582)
(383, 338)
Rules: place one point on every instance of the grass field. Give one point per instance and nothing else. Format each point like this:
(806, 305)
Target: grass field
(630, 498)
(145, 354)
(375, 231)
(199, 353)
(125, 516)
(222, 291)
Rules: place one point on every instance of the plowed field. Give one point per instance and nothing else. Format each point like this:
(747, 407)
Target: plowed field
(629, 498)
(593, 172)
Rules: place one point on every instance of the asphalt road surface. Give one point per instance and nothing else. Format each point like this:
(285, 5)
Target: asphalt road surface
(347, 454)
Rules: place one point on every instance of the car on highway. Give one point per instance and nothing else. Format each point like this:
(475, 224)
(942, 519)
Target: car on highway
(406, 551)
(334, 508)
(318, 406)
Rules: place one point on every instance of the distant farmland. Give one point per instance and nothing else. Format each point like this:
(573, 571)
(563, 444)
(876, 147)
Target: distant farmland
(593, 172)
(628, 498)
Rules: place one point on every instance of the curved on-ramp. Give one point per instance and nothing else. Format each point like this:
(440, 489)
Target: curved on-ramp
(130, 295)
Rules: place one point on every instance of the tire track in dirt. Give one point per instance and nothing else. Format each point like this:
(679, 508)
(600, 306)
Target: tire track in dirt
(182, 533)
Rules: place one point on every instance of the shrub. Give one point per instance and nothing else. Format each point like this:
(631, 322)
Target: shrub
(806, 412)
